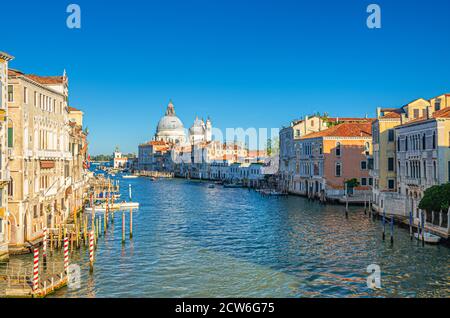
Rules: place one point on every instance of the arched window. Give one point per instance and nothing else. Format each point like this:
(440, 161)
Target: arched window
(434, 140)
(425, 169)
(398, 143)
(367, 148)
(338, 149)
(406, 143)
(424, 142)
(434, 170)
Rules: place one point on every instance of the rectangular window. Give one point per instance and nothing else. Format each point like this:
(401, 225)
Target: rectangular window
(370, 164)
(35, 99)
(363, 165)
(416, 113)
(10, 93)
(338, 170)
(363, 181)
(10, 137)
(437, 105)
(370, 181)
(391, 135)
(25, 95)
(390, 164)
(391, 184)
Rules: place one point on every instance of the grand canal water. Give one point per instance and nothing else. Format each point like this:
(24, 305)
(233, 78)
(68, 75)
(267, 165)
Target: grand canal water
(193, 241)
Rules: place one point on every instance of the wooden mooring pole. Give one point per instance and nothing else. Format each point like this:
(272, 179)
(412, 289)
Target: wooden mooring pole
(392, 230)
(91, 251)
(44, 246)
(123, 227)
(383, 220)
(131, 223)
(411, 225)
(36, 270)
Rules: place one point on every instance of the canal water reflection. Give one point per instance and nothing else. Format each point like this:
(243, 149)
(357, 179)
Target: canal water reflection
(193, 241)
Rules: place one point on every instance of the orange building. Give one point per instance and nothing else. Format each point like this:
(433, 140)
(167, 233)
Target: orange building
(329, 158)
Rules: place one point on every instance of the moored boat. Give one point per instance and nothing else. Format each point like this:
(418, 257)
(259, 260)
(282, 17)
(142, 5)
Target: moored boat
(428, 238)
(233, 185)
(129, 176)
(114, 207)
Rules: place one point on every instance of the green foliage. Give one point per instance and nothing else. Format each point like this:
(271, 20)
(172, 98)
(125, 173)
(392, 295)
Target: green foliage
(273, 146)
(102, 158)
(352, 183)
(269, 147)
(436, 198)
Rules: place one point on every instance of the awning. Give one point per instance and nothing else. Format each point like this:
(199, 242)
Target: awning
(47, 164)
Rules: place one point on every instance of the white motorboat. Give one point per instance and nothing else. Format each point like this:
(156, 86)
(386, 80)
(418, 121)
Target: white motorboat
(428, 238)
(129, 176)
(127, 205)
(114, 207)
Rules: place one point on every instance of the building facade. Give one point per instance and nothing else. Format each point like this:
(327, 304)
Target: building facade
(79, 164)
(39, 155)
(289, 145)
(4, 169)
(331, 157)
(387, 194)
(423, 154)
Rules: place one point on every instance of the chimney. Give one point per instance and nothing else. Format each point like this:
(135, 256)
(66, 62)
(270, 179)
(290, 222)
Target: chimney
(378, 112)
(428, 110)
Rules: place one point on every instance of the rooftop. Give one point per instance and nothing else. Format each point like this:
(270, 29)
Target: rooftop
(346, 129)
(443, 113)
(45, 80)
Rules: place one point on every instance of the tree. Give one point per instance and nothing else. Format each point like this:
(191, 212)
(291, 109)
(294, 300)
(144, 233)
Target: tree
(269, 147)
(436, 198)
(352, 183)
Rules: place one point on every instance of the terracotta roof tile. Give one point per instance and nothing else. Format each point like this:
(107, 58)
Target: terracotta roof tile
(348, 119)
(352, 129)
(48, 80)
(73, 109)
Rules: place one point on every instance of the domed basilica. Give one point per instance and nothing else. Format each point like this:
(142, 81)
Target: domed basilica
(171, 129)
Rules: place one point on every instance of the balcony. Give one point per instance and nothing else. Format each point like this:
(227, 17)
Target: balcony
(5, 176)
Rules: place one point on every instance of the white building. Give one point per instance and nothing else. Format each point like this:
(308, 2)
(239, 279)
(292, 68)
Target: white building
(200, 131)
(423, 156)
(4, 169)
(119, 161)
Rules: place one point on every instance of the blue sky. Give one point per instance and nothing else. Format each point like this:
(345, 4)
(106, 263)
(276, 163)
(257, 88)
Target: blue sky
(245, 63)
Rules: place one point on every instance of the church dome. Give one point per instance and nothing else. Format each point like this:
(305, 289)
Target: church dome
(167, 123)
(170, 127)
(197, 128)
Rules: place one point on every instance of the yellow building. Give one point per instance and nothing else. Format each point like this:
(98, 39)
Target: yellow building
(385, 192)
(76, 115)
(383, 163)
(4, 172)
(39, 156)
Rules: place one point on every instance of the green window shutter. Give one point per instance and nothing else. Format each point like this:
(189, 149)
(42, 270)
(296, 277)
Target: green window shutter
(10, 137)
